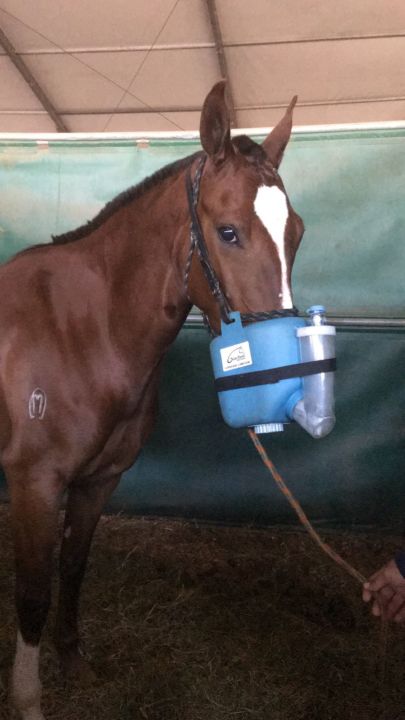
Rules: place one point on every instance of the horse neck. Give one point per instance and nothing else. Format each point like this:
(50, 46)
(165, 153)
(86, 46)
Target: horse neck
(145, 247)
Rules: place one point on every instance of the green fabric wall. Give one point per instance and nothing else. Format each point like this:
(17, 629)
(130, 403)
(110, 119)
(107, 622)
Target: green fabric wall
(348, 186)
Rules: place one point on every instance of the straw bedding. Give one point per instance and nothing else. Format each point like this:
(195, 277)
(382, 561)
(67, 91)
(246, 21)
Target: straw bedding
(184, 621)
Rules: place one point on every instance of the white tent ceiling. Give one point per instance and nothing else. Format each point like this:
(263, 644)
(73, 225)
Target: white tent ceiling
(145, 65)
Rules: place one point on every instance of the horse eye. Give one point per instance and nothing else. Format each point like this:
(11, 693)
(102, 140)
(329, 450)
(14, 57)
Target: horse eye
(228, 234)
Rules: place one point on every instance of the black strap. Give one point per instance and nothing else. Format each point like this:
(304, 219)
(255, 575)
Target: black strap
(209, 272)
(274, 375)
(268, 315)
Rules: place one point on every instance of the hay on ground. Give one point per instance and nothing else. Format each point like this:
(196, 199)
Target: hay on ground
(188, 622)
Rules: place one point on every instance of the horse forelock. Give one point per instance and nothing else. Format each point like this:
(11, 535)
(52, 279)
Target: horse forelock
(255, 155)
(249, 148)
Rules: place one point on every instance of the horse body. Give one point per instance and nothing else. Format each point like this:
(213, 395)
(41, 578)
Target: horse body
(84, 325)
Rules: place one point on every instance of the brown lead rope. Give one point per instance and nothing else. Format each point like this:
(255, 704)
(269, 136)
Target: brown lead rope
(318, 540)
(298, 509)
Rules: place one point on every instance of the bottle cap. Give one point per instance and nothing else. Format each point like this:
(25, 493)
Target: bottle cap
(316, 309)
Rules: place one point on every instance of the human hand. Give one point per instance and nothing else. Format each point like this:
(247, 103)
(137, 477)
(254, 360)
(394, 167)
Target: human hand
(387, 590)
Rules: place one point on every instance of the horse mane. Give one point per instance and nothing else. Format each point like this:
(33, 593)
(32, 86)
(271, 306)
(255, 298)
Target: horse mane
(243, 143)
(123, 199)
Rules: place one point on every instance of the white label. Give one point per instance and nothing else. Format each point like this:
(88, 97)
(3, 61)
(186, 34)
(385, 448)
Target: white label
(236, 356)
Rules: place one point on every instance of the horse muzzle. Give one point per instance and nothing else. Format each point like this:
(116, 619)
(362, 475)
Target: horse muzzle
(272, 372)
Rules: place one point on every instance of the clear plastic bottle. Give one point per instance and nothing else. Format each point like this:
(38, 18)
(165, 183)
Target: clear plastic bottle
(315, 412)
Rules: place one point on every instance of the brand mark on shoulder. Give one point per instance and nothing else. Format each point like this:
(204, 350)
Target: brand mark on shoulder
(37, 404)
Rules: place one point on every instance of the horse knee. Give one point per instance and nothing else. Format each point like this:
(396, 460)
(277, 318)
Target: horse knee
(34, 522)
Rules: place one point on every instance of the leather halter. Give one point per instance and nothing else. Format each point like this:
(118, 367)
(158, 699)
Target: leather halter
(198, 241)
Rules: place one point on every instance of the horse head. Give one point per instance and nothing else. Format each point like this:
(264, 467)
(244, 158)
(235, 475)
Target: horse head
(250, 229)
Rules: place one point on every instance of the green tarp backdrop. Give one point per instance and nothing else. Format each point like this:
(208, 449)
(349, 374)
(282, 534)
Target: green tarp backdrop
(349, 187)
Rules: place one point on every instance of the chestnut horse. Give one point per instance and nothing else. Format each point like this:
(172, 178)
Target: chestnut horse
(85, 322)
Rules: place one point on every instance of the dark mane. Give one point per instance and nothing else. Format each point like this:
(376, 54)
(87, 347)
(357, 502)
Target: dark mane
(123, 199)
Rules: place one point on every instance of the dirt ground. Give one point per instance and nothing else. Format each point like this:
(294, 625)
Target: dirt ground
(183, 621)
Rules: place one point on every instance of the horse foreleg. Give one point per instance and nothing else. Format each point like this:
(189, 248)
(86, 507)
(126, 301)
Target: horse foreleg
(34, 511)
(84, 506)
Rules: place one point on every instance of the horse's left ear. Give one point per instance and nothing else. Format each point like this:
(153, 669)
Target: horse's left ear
(215, 124)
(276, 142)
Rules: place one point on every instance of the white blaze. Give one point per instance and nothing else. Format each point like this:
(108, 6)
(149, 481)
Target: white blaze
(272, 209)
(26, 687)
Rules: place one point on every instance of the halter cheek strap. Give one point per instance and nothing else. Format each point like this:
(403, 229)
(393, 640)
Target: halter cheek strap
(197, 241)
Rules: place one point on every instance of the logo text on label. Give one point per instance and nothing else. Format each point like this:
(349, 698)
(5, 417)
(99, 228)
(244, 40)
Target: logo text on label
(236, 356)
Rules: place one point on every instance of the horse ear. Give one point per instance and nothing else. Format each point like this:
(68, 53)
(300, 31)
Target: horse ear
(276, 142)
(215, 125)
